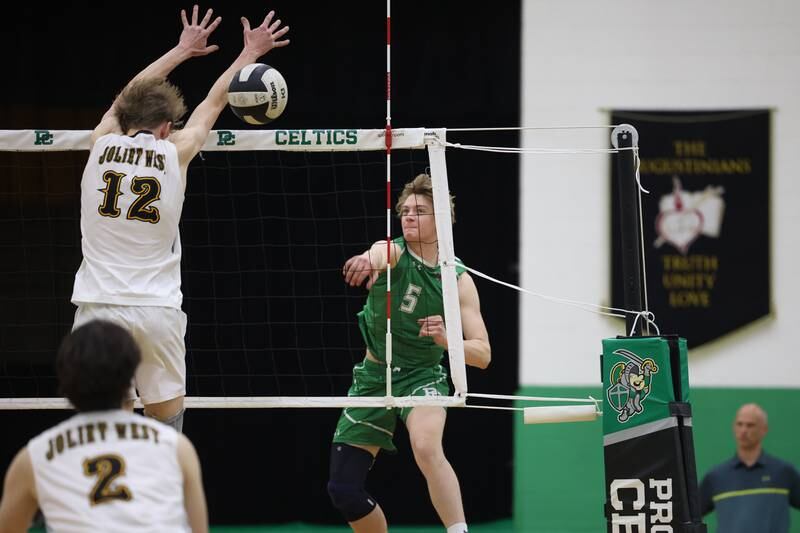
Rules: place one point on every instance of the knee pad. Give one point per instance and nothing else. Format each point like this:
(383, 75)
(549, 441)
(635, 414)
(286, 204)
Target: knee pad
(349, 468)
(352, 501)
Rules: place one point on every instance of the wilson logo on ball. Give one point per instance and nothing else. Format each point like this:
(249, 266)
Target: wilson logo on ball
(257, 94)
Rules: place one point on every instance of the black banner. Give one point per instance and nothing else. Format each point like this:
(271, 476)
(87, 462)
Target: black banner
(706, 219)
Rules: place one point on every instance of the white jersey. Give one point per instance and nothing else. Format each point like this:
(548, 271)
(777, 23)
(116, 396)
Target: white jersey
(132, 195)
(109, 471)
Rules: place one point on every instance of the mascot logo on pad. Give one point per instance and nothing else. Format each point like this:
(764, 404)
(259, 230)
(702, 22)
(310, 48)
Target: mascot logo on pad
(631, 382)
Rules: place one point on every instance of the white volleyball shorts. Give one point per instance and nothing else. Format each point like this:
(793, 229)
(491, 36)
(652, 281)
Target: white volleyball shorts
(160, 333)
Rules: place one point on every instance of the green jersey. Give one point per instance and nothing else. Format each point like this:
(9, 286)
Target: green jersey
(416, 293)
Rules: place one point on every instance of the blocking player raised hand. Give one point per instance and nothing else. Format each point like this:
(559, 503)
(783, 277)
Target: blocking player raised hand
(194, 37)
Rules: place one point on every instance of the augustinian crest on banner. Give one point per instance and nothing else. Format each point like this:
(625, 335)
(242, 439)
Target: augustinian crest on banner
(706, 219)
(683, 216)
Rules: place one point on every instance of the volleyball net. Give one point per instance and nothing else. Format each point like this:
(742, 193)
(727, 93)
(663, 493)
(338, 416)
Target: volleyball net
(269, 219)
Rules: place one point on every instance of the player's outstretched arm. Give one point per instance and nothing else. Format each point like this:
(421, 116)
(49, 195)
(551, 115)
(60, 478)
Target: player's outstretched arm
(257, 42)
(193, 42)
(369, 265)
(19, 495)
(193, 495)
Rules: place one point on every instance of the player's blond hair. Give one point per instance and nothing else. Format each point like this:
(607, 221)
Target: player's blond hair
(423, 186)
(148, 103)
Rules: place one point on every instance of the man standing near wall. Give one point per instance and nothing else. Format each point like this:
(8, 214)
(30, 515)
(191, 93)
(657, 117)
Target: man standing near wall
(752, 491)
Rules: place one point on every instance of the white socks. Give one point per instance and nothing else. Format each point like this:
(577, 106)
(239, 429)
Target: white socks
(460, 527)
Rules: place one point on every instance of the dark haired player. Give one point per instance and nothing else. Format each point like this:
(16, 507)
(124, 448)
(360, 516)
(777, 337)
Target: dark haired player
(105, 468)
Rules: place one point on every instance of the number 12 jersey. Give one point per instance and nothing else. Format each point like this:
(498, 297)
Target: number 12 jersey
(132, 194)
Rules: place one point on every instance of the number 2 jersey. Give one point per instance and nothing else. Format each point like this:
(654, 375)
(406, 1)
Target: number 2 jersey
(109, 471)
(132, 194)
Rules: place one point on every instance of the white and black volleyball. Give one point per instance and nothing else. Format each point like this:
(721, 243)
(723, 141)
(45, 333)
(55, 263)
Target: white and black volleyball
(258, 94)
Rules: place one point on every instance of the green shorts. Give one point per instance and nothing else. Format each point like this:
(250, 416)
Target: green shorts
(374, 426)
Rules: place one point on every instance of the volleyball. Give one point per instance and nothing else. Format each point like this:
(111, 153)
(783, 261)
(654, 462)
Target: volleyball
(257, 94)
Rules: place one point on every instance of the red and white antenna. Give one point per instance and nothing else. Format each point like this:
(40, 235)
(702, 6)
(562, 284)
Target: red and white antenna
(388, 198)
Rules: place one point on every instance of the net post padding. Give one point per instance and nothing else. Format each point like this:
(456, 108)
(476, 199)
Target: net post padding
(447, 261)
(650, 474)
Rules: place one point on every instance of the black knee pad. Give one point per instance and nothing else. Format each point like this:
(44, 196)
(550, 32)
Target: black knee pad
(348, 474)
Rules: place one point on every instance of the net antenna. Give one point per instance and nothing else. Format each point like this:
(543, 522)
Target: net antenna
(388, 138)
